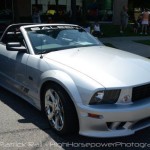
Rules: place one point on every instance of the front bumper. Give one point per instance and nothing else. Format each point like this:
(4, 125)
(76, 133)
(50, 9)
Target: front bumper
(115, 120)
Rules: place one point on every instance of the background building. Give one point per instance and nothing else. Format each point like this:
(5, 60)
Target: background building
(102, 10)
(65, 4)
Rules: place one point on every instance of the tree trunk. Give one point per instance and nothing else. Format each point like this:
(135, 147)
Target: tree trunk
(73, 8)
(36, 2)
(56, 6)
(84, 9)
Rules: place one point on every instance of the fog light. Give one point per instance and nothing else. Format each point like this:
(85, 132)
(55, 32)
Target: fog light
(126, 98)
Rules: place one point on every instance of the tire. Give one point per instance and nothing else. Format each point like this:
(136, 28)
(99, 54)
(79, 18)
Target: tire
(59, 110)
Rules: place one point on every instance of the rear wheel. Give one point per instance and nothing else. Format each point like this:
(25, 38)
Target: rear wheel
(59, 110)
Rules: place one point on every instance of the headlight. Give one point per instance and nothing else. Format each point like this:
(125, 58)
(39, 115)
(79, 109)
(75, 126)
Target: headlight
(105, 97)
(97, 98)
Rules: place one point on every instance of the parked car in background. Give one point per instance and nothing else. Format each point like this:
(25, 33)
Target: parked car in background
(80, 84)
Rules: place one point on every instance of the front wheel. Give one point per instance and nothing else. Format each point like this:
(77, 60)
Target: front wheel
(59, 110)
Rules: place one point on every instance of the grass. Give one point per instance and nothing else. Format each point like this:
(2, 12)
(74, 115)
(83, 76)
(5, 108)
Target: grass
(111, 30)
(146, 42)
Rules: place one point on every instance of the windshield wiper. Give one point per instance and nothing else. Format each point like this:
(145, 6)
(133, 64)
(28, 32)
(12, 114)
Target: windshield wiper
(43, 52)
(47, 51)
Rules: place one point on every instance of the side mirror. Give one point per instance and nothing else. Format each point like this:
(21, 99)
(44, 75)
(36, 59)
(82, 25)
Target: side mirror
(15, 46)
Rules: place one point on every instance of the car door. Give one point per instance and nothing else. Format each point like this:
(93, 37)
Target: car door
(3, 64)
(17, 68)
(12, 63)
(13, 68)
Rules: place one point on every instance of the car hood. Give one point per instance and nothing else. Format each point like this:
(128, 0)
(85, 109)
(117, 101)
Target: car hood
(108, 66)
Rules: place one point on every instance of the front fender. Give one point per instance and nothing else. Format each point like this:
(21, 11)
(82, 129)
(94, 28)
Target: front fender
(64, 80)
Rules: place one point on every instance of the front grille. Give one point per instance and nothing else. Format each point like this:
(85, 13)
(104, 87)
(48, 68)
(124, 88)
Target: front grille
(128, 124)
(141, 92)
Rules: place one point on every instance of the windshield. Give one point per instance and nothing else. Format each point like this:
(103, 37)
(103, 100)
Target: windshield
(45, 39)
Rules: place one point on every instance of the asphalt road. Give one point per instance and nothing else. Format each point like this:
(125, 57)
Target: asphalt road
(24, 127)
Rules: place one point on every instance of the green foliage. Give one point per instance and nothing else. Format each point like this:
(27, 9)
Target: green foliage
(111, 30)
(146, 42)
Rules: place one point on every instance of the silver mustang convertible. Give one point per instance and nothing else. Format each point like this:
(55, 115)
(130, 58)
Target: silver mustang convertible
(80, 84)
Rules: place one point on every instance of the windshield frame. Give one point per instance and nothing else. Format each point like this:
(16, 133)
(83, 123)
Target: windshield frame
(45, 30)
